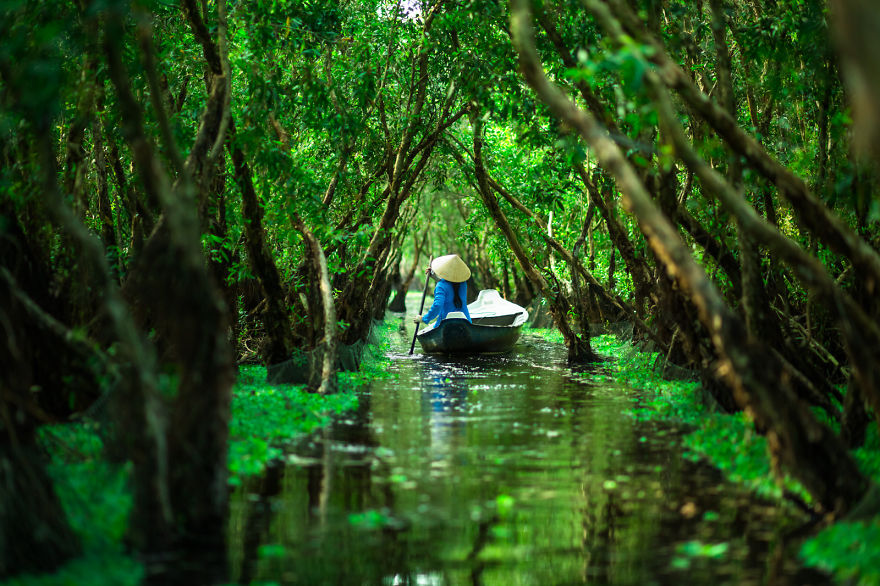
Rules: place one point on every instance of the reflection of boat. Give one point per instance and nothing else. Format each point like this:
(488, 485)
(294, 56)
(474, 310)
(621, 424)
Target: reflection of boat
(496, 327)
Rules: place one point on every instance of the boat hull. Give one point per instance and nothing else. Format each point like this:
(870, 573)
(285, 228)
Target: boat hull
(456, 335)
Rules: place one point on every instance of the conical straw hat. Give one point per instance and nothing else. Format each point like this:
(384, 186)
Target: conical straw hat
(451, 268)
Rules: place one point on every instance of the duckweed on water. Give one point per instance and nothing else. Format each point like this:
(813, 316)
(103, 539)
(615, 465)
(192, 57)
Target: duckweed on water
(266, 417)
(742, 455)
(95, 493)
(850, 551)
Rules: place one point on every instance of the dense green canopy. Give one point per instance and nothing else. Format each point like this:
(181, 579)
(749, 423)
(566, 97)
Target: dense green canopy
(187, 186)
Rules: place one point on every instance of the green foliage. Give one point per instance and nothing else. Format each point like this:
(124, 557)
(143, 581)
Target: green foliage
(32, 58)
(727, 441)
(93, 491)
(316, 83)
(730, 443)
(689, 551)
(868, 456)
(551, 335)
(849, 551)
(504, 505)
(98, 569)
(372, 520)
(96, 500)
(267, 417)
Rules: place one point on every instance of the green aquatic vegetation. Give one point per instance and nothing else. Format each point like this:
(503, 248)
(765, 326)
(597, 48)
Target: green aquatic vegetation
(551, 335)
(271, 551)
(689, 551)
(730, 443)
(266, 417)
(727, 441)
(95, 493)
(111, 568)
(371, 520)
(504, 505)
(96, 500)
(850, 551)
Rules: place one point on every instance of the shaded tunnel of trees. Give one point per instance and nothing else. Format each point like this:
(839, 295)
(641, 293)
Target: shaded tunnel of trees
(188, 186)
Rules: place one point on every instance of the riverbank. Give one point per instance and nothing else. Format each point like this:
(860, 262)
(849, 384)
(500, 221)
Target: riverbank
(504, 469)
(730, 443)
(264, 419)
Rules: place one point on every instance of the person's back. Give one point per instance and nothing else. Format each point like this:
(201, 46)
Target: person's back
(450, 293)
(448, 297)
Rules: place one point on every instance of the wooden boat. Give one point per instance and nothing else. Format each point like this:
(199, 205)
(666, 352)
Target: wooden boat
(497, 324)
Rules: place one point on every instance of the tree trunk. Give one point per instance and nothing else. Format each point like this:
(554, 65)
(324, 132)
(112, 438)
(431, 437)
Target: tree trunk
(180, 457)
(34, 532)
(398, 304)
(579, 349)
(800, 443)
(322, 370)
(276, 317)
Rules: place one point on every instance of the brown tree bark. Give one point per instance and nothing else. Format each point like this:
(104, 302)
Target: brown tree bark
(277, 316)
(322, 371)
(812, 213)
(802, 445)
(410, 158)
(27, 496)
(636, 264)
(579, 349)
(398, 303)
(75, 151)
(859, 50)
(180, 456)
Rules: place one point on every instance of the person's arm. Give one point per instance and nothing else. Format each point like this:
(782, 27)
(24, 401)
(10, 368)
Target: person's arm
(462, 290)
(439, 300)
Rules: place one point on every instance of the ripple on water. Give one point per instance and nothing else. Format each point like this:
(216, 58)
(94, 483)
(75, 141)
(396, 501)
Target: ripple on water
(507, 470)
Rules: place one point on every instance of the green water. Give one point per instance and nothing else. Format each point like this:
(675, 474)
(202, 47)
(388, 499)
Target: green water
(501, 470)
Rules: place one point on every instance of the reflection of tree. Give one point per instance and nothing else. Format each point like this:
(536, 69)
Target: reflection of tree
(258, 519)
(444, 400)
(297, 506)
(599, 525)
(346, 485)
(482, 539)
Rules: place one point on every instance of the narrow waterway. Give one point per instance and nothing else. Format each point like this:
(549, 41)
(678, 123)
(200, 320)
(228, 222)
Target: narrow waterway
(501, 470)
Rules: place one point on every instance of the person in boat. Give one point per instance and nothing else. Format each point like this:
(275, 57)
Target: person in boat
(450, 292)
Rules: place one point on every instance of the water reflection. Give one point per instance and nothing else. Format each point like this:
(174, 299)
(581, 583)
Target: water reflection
(501, 470)
(444, 399)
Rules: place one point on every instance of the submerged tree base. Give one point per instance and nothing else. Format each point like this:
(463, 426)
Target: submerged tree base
(95, 493)
(730, 443)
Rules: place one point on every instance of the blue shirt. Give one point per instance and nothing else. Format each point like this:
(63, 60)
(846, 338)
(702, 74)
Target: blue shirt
(444, 301)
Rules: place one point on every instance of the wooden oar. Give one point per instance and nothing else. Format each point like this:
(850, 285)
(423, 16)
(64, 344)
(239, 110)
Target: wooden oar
(422, 306)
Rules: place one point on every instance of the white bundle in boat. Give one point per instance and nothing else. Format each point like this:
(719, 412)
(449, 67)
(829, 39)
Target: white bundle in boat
(491, 309)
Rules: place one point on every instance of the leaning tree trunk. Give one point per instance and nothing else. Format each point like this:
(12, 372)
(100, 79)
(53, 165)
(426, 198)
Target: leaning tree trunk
(399, 301)
(579, 349)
(322, 367)
(276, 318)
(811, 211)
(181, 480)
(805, 447)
